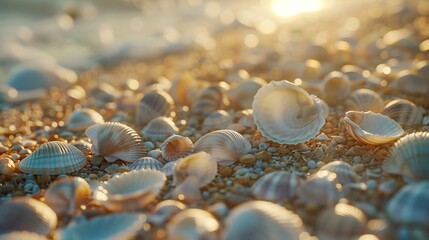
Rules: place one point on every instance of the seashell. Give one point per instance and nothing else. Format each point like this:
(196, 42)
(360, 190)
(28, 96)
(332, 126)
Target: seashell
(53, 158)
(76, 93)
(153, 104)
(66, 195)
(299, 118)
(409, 157)
(372, 128)
(28, 214)
(209, 100)
(145, 163)
(241, 96)
(19, 235)
(355, 75)
(335, 87)
(225, 146)
(318, 191)
(164, 210)
(184, 87)
(325, 108)
(219, 119)
(276, 186)
(263, 220)
(168, 168)
(130, 191)
(364, 100)
(410, 83)
(81, 119)
(175, 147)
(200, 165)
(188, 191)
(344, 172)
(404, 112)
(112, 226)
(245, 118)
(126, 101)
(115, 141)
(193, 224)
(7, 166)
(83, 146)
(103, 93)
(159, 129)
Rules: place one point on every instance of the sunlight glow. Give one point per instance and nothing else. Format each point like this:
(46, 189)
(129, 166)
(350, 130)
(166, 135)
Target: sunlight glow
(287, 8)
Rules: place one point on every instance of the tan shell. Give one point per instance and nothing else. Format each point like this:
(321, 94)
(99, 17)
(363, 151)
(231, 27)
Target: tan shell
(410, 83)
(225, 146)
(372, 128)
(193, 224)
(286, 113)
(210, 99)
(216, 120)
(115, 141)
(153, 104)
(344, 172)
(145, 163)
(318, 192)
(159, 129)
(164, 210)
(200, 165)
(241, 96)
(335, 87)
(175, 147)
(7, 166)
(364, 100)
(188, 191)
(355, 75)
(184, 87)
(276, 186)
(82, 118)
(20, 235)
(53, 158)
(404, 112)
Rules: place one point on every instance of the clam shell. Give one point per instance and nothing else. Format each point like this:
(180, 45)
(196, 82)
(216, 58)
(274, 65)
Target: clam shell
(257, 220)
(20, 235)
(153, 104)
(241, 96)
(372, 128)
(276, 186)
(188, 191)
(193, 224)
(81, 119)
(115, 141)
(404, 112)
(200, 165)
(318, 192)
(355, 75)
(344, 172)
(168, 168)
(364, 100)
(216, 120)
(410, 83)
(335, 87)
(225, 146)
(145, 163)
(210, 99)
(164, 210)
(53, 158)
(297, 119)
(159, 129)
(175, 147)
(130, 191)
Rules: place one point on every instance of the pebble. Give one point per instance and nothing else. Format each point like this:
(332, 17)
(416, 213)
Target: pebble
(339, 139)
(15, 156)
(112, 169)
(105, 177)
(263, 156)
(154, 153)
(96, 160)
(263, 146)
(24, 151)
(388, 187)
(149, 145)
(241, 171)
(311, 164)
(7, 166)
(358, 167)
(226, 171)
(247, 159)
(272, 149)
(320, 164)
(322, 137)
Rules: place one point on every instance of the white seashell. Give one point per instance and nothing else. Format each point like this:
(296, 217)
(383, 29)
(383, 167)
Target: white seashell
(364, 100)
(153, 104)
(164, 210)
(188, 191)
(325, 108)
(318, 192)
(193, 224)
(335, 87)
(297, 119)
(159, 129)
(404, 112)
(343, 171)
(256, 220)
(372, 128)
(175, 147)
(168, 168)
(7, 166)
(145, 163)
(53, 158)
(216, 120)
(112, 226)
(81, 119)
(225, 146)
(20, 235)
(200, 165)
(115, 141)
(276, 186)
(410, 83)
(241, 96)
(130, 191)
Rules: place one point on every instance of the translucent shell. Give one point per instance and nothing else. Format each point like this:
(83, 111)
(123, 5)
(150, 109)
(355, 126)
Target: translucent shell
(153, 104)
(20, 235)
(175, 147)
(276, 186)
(114, 141)
(193, 224)
(53, 158)
(318, 192)
(159, 129)
(344, 172)
(335, 87)
(164, 210)
(200, 165)
(286, 113)
(27, 214)
(81, 119)
(216, 120)
(130, 191)
(404, 112)
(241, 96)
(364, 100)
(372, 128)
(225, 146)
(145, 163)
(256, 220)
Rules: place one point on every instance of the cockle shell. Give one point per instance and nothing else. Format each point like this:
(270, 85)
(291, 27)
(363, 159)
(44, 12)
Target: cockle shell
(216, 120)
(318, 191)
(188, 191)
(175, 147)
(372, 128)
(130, 191)
(27, 214)
(210, 99)
(364, 100)
(164, 210)
(145, 163)
(184, 87)
(53, 158)
(404, 112)
(344, 172)
(159, 129)
(335, 87)
(168, 168)
(153, 104)
(286, 113)
(258, 220)
(115, 141)
(355, 74)
(200, 165)
(81, 119)
(241, 96)
(410, 83)
(276, 186)
(20, 235)
(193, 224)
(225, 146)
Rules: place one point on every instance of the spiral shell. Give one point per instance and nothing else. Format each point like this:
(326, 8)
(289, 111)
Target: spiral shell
(216, 120)
(404, 112)
(276, 186)
(199, 165)
(153, 104)
(81, 119)
(164, 210)
(344, 172)
(225, 146)
(372, 128)
(193, 224)
(115, 141)
(335, 88)
(364, 100)
(318, 192)
(159, 129)
(241, 96)
(53, 158)
(145, 163)
(297, 119)
(175, 147)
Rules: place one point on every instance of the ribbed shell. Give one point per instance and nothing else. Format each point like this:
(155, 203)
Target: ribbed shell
(216, 120)
(260, 220)
(355, 74)
(404, 112)
(410, 83)
(286, 113)
(318, 192)
(164, 210)
(53, 158)
(225, 146)
(364, 100)
(114, 141)
(20, 235)
(372, 128)
(153, 104)
(145, 163)
(276, 186)
(335, 87)
(175, 147)
(209, 100)
(344, 171)
(200, 165)
(192, 224)
(81, 119)
(159, 129)
(241, 96)
(168, 168)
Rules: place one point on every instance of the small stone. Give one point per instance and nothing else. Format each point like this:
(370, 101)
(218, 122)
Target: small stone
(154, 153)
(388, 187)
(339, 139)
(3, 149)
(358, 167)
(243, 180)
(96, 160)
(93, 176)
(247, 159)
(187, 133)
(112, 169)
(320, 164)
(322, 137)
(24, 151)
(272, 149)
(149, 145)
(7, 166)
(241, 171)
(263, 146)
(263, 156)
(105, 177)
(357, 159)
(236, 127)
(226, 171)
(311, 164)
(15, 156)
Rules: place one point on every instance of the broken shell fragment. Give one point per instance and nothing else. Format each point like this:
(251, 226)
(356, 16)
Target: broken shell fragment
(81, 119)
(364, 100)
(404, 112)
(159, 129)
(175, 147)
(276, 186)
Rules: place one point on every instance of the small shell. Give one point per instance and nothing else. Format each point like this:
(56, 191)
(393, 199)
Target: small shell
(27, 214)
(318, 192)
(164, 210)
(372, 128)
(115, 141)
(404, 112)
(286, 113)
(210, 99)
(81, 119)
(364, 100)
(20, 235)
(335, 88)
(410, 83)
(344, 172)
(159, 129)
(184, 87)
(241, 96)
(153, 104)
(355, 75)
(276, 186)
(188, 191)
(103, 93)
(225, 146)
(200, 165)
(83, 146)
(193, 224)
(130, 191)
(145, 163)
(7, 166)
(53, 158)
(175, 147)
(216, 120)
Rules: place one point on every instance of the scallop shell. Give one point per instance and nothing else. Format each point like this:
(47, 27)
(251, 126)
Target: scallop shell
(210, 99)
(153, 104)
(53, 158)
(188, 191)
(297, 119)
(200, 165)
(164, 210)
(257, 220)
(372, 128)
(159, 129)
(168, 168)
(175, 147)
(225, 146)
(318, 192)
(193, 224)
(344, 172)
(410, 83)
(81, 119)
(145, 163)
(20, 235)
(335, 87)
(27, 214)
(216, 120)
(276, 186)
(112, 226)
(130, 191)
(404, 112)
(241, 96)
(364, 100)
(115, 141)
